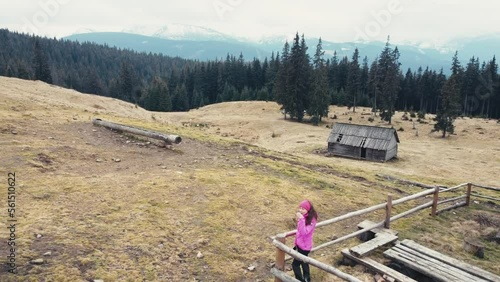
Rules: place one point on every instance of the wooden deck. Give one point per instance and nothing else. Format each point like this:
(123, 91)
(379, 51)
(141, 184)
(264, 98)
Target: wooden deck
(436, 265)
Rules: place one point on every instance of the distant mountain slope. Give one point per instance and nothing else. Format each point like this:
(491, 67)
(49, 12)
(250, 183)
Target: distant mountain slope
(188, 49)
(201, 43)
(411, 57)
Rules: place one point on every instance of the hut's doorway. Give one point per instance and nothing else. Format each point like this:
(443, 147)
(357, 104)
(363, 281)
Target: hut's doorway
(363, 148)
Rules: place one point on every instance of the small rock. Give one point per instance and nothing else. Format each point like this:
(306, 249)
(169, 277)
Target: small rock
(37, 261)
(99, 160)
(164, 167)
(98, 280)
(476, 202)
(94, 130)
(251, 268)
(38, 236)
(202, 241)
(199, 255)
(14, 132)
(51, 137)
(47, 254)
(117, 160)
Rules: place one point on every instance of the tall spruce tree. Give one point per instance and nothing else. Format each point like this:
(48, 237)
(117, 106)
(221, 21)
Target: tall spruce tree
(449, 108)
(158, 97)
(353, 80)
(282, 84)
(319, 98)
(41, 64)
(300, 78)
(388, 75)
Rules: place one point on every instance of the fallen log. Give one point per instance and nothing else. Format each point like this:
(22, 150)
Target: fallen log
(169, 139)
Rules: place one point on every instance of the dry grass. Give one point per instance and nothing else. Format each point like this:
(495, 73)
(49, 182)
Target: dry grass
(234, 180)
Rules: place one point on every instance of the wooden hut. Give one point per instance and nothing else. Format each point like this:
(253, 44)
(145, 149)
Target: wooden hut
(363, 142)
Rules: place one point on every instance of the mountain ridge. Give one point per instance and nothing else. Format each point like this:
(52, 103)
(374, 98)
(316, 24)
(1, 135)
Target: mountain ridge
(201, 43)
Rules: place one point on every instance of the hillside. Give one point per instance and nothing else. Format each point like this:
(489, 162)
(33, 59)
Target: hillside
(114, 207)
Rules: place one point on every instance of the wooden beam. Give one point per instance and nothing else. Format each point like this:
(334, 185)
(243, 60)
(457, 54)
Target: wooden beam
(367, 210)
(282, 276)
(454, 188)
(451, 261)
(469, 189)
(486, 197)
(349, 236)
(378, 267)
(280, 258)
(455, 206)
(388, 211)
(414, 210)
(435, 201)
(486, 187)
(325, 267)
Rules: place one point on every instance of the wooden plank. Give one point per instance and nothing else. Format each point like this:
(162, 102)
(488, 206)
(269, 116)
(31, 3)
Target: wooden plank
(451, 261)
(373, 244)
(368, 223)
(411, 263)
(378, 267)
(282, 276)
(453, 271)
(323, 266)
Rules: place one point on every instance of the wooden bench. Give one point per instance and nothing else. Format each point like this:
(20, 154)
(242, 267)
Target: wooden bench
(436, 265)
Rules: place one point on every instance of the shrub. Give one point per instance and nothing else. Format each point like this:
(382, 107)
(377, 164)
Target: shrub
(412, 114)
(421, 115)
(401, 129)
(350, 118)
(371, 119)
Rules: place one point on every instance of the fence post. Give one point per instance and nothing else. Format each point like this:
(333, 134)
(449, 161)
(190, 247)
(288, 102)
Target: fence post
(435, 201)
(280, 256)
(467, 199)
(388, 211)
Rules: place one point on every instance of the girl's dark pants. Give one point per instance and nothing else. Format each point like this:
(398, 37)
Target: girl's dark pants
(305, 267)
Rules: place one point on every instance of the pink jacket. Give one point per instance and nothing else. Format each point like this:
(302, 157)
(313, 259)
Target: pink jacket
(304, 236)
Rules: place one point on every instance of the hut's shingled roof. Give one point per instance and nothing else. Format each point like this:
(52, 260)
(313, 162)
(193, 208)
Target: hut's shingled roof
(377, 138)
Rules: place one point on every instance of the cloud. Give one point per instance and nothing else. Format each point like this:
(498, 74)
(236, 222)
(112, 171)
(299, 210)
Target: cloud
(423, 20)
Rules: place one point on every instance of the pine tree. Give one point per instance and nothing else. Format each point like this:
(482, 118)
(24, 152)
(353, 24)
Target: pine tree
(388, 81)
(319, 99)
(300, 70)
(158, 97)
(180, 99)
(449, 107)
(353, 80)
(40, 64)
(282, 84)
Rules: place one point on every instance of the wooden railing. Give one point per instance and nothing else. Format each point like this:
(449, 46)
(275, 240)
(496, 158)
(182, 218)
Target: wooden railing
(279, 241)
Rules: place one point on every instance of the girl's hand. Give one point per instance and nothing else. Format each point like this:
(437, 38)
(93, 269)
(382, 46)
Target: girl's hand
(298, 215)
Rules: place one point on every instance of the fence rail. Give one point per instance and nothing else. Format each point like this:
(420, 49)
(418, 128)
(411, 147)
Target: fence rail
(279, 241)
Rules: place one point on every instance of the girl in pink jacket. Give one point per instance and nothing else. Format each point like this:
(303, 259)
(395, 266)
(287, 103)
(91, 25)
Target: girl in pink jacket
(306, 222)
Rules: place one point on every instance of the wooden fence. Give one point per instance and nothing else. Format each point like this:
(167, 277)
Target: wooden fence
(279, 241)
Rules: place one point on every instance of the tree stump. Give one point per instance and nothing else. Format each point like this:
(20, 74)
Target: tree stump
(475, 247)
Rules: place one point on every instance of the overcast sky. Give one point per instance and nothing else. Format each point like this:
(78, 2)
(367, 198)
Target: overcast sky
(417, 21)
